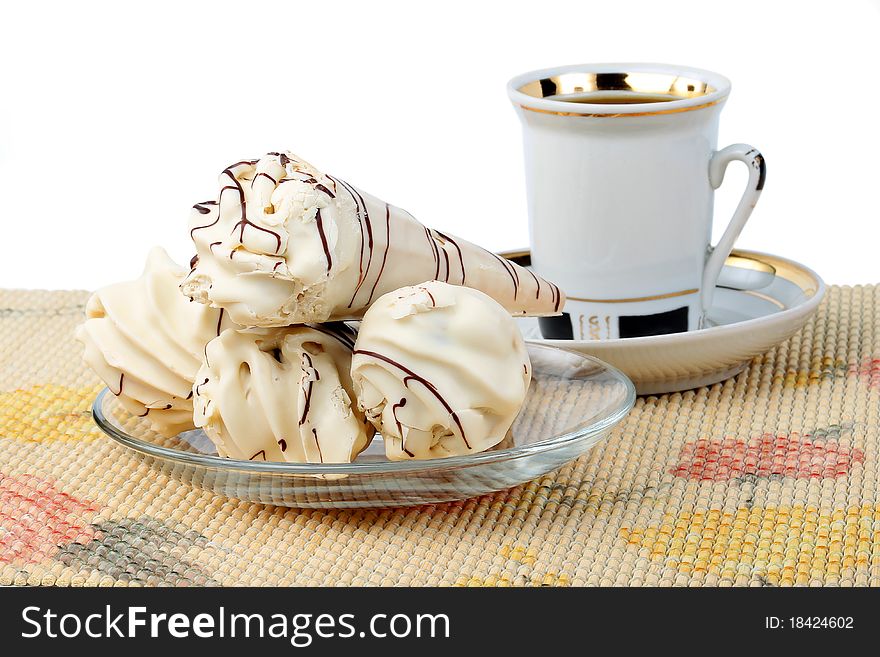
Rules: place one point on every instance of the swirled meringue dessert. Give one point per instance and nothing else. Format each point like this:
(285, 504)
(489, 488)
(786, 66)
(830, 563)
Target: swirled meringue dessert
(286, 244)
(440, 370)
(146, 341)
(281, 394)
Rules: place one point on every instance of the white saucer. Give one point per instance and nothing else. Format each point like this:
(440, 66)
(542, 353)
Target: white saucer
(743, 324)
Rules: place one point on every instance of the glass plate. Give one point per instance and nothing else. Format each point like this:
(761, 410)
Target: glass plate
(573, 402)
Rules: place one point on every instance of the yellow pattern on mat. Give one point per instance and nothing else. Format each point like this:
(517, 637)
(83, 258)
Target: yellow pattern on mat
(66, 413)
(770, 478)
(788, 545)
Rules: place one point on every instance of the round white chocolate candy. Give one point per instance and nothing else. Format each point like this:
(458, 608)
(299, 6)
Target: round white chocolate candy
(440, 370)
(281, 394)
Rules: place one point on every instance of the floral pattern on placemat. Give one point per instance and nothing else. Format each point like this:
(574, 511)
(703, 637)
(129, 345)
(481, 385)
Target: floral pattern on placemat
(769, 478)
(142, 550)
(37, 519)
(66, 413)
(789, 455)
(770, 545)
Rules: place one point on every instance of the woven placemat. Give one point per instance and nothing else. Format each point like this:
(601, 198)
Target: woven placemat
(770, 478)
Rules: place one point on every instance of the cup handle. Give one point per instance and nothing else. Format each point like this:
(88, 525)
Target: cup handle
(757, 174)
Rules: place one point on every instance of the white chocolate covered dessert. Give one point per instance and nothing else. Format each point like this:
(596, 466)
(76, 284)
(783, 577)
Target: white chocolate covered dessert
(287, 244)
(146, 341)
(282, 394)
(440, 370)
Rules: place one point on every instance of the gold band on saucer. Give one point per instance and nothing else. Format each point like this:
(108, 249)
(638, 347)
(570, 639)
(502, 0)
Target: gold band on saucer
(744, 262)
(765, 297)
(668, 295)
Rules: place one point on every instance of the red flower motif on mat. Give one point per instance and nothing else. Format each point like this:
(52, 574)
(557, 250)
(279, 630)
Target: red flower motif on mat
(869, 371)
(36, 519)
(791, 455)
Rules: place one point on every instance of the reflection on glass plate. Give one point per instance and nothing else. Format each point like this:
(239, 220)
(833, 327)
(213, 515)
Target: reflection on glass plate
(573, 402)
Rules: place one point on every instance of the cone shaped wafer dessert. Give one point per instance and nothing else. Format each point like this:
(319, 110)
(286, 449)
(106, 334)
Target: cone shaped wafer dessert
(287, 244)
(146, 341)
(281, 394)
(440, 370)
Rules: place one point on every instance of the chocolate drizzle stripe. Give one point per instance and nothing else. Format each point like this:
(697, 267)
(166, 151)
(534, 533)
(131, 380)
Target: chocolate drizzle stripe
(394, 408)
(220, 196)
(244, 221)
(434, 252)
(262, 451)
(446, 260)
(282, 444)
(317, 444)
(510, 272)
(144, 414)
(507, 263)
(320, 222)
(281, 158)
(428, 385)
(360, 218)
(307, 392)
(212, 245)
(555, 295)
(384, 257)
(369, 225)
(219, 320)
(460, 256)
(537, 283)
(265, 175)
(361, 258)
(428, 292)
(324, 189)
(119, 392)
(360, 203)
(199, 386)
(334, 330)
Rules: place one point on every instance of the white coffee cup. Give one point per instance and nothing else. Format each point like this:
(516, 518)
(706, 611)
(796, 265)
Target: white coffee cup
(621, 169)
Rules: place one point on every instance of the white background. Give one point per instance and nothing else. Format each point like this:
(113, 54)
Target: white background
(115, 118)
